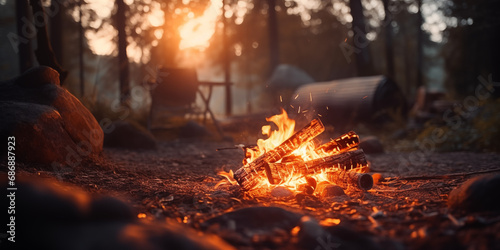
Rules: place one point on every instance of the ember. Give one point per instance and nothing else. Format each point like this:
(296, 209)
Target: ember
(295, 161)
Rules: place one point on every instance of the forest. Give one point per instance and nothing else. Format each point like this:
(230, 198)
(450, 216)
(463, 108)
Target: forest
(443, 45)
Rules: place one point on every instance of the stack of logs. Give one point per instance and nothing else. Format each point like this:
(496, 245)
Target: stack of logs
(343, 163)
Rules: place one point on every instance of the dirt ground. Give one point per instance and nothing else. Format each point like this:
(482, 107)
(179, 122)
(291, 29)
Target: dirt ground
(178, 181)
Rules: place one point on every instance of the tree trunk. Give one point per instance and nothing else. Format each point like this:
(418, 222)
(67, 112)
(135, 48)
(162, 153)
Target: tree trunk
(56, 37)
(44, 53)
(363, 58)
(24, 42)
(389, 55)
(226, 63)
(123, 67)
(274, 54)
(419, 44)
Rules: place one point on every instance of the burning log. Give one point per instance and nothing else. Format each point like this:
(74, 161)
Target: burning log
(248, 175)
(352, 178)
(341, 144)
(344, 161)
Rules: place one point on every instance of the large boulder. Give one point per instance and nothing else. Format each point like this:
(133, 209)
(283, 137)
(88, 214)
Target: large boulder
(49, 123)
(53, 215)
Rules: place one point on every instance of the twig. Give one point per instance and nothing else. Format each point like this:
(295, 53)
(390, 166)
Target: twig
(239, 146)
(447, 176)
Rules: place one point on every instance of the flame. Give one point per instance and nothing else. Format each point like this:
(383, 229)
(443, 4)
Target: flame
(229, 178)
(309, 151)
(197, 32)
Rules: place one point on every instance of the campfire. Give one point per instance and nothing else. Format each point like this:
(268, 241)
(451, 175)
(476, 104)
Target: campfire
(299, 162)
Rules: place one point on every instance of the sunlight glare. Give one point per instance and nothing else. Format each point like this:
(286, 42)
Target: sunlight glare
(197, 32)
(156, 17)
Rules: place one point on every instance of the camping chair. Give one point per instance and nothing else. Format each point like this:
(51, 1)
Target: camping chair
(174, 94)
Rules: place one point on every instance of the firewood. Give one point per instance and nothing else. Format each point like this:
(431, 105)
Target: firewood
(352, 178)
(248, 175)
(343, 161)
(343, 143)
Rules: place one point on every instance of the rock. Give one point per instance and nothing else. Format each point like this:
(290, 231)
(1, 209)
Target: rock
(51, 215)
(256, 226)
(377, 178)
(193, 130)
(129, 135)
(311, 182)
(371, 145)
(312, 235)
(40, 134)
(347, 238)
(261, 219)
(38, 76)
(325, 189)
(300, 197)
(476, 195)
(109, 209)
(40, 86)
(281, 192)
(332, 191)
(306, 188)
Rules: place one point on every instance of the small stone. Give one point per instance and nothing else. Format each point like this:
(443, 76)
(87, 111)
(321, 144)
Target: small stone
(305, 188)
(371, 145)
(281, 192)
(193, 129)
(311, 182)
(332, 191)
(321, 186)
(300, 198)
(377, 178)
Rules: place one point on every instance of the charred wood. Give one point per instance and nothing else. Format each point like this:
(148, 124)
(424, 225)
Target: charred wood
(248, 175)
(343, 143)
(345, 161)
(351, 178)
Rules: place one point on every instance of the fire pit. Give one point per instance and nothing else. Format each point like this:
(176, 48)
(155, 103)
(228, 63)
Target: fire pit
(298, 162)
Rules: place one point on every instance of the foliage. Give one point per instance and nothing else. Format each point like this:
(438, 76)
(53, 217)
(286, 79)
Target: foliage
(476, 130)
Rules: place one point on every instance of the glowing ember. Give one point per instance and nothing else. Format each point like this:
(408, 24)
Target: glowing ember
(328, 222)
(291, 170)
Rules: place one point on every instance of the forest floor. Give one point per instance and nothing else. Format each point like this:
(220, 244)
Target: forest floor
(179, 181)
